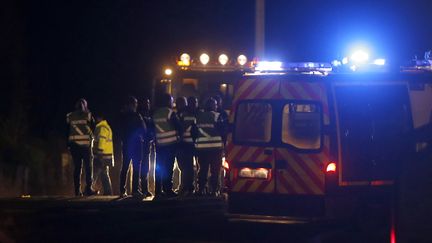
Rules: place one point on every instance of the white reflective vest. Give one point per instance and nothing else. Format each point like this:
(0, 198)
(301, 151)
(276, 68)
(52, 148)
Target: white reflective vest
(79, 128)
(187, 121)
(209, 137)
(166, 133)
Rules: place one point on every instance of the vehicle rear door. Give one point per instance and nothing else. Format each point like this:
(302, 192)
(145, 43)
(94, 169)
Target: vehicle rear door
(250, 149)
(373, 121)
(303, 149)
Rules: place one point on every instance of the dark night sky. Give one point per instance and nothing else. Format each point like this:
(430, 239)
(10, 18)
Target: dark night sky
(74, 48)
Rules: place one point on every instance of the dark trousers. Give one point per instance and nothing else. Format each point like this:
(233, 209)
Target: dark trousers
(185, 154)
(165, 156)
(134, 154)
(206, 159)
(80, 155)
(101, 171)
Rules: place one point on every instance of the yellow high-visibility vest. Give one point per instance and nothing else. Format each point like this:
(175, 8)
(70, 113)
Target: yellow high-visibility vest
(103, 140)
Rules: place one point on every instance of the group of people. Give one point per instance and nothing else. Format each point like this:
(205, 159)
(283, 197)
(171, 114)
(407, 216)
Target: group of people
(186, 134)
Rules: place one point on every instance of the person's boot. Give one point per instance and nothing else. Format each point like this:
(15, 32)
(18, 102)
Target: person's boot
(170, 194)
(90, 192)
(137, 195)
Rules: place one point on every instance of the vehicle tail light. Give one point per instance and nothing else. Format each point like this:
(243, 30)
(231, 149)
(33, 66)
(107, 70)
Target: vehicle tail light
(225, 164)
(331, 167)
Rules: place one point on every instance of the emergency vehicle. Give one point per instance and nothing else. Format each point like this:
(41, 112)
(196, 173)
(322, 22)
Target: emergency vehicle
(203, 76)
(317, 139)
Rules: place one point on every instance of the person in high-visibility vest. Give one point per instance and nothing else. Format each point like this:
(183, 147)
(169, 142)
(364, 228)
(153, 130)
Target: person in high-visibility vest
(209, 145)
(132, 134)
(103, 152)
(80, 141)
(168, 133)
(186, 149)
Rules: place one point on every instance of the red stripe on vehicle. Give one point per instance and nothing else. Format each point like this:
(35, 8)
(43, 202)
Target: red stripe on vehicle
(264, 92)
(309, 89)
(263, 186)
(246, 186)
(292, 91)
(300, 181)
(240, 153)
(308, 171)
(286, 184)
(248, 90)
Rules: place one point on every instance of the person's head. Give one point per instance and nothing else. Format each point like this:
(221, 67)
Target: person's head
(145, 105)
(99, 116)
(219, 102)
(81, 105)
(193, 103)
(131, 103)
(181, 103)
(210, 104)
(165, 100)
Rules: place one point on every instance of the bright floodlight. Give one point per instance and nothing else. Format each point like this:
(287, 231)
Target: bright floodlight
(204, 58)
(269, 66)
(359, 56)
(185, 58)
(380, 62)
(242, 59)
(223, 59)
(168, 71)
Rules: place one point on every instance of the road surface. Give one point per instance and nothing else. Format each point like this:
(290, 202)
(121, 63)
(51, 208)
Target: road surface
(111, 219)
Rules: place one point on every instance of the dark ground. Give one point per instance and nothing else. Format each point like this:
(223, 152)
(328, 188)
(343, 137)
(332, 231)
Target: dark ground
(109, 219)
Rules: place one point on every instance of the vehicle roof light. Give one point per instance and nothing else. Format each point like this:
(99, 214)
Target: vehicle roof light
(223, 59)
(185, 59)
(336, 63)
(204, 58)
(242, 59)
(269, 66)
(359, 56)
(379, 62)
(168, 71)
(345, 60)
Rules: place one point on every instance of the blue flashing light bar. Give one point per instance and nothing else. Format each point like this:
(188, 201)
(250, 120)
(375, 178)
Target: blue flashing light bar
(269, 66)
(379, 62)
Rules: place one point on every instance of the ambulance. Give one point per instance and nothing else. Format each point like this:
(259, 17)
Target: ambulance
(324, 139)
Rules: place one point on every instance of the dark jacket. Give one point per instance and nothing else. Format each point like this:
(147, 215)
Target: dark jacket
(132, 129)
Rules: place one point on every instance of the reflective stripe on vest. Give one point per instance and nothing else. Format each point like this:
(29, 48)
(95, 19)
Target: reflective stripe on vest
(79, 131)
(208, 135)
(187, 121)
(165, 131)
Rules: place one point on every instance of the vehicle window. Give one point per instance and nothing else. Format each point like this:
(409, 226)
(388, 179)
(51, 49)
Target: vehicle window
(253, 122)
(301, 125)
(373, 124)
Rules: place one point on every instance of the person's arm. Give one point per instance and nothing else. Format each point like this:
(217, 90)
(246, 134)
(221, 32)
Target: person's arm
(221, 127)
(194, 131)
(142, 128)
(92, 122)
(67, 130)
(176, 123)
(101, 134)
